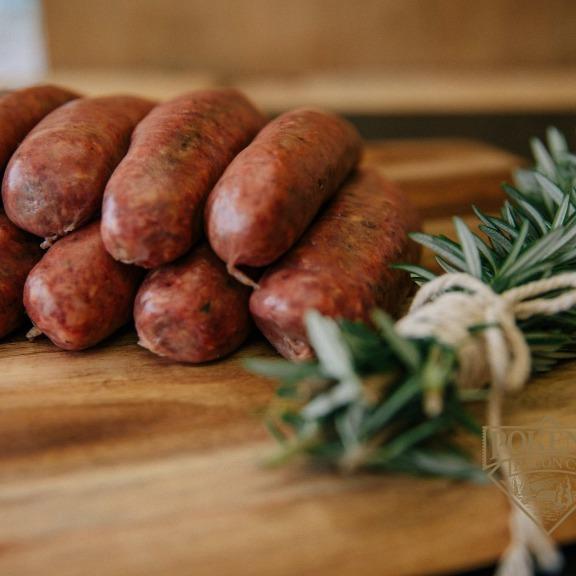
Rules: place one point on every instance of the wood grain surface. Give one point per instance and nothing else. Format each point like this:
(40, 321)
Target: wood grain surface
(114, 462)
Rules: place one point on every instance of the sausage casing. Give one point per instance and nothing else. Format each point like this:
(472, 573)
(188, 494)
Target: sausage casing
(21, 110)
(273, 189)
(19, 252)
(154, 201)
(341, 266)
(55, 181)
(191, 310)
(78, 294)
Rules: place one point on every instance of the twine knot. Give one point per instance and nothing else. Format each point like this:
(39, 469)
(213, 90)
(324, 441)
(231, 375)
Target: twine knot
(481, 326)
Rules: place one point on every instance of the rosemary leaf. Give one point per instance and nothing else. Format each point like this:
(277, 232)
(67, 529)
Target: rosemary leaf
(469, 248)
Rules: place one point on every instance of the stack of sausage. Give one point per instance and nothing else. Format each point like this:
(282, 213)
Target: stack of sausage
(194, 217)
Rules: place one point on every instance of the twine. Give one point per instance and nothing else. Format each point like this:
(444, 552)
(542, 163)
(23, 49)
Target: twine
(465, 314)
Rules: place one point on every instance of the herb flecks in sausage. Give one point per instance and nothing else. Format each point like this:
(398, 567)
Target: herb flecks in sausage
(191, 310)
(340, 267)
(55, 181)
(153, 204)
(272, 190)
(78, 294)
(21, 110)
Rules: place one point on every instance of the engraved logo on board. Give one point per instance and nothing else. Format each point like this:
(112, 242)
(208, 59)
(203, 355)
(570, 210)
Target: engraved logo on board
(536, 467)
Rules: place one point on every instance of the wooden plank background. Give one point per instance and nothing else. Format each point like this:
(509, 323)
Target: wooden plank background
(400, 94)
(239, 37)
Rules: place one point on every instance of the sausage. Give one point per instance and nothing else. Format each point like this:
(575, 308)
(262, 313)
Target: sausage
(341, 266)
(192, 310)
(19, 252)
(78, 294)
(270, 193)
(154, 201)
(55, 181)
(21, 110)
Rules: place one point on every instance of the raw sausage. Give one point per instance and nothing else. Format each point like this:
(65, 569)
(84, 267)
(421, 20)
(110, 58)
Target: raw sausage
(55, 181)
(270, 193)
(19, 252)
(192, 310)
(78, 294)
(21, 110)
(154, 201)
(340, 267)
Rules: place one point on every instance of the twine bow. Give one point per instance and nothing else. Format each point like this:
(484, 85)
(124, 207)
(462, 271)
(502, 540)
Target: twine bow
(481, 326)
(464, 313)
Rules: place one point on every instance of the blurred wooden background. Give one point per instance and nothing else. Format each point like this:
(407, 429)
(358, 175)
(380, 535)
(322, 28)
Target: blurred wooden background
(237, 37)
(499, 70)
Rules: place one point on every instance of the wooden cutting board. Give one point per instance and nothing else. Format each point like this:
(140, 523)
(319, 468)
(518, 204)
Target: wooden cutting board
(114, 462)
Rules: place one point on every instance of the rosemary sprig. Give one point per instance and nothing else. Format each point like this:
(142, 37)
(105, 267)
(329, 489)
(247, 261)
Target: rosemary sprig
(377, 400)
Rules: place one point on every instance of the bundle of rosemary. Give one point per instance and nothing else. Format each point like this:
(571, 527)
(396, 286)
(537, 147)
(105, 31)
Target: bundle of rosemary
(381, 398)
(378, 400)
